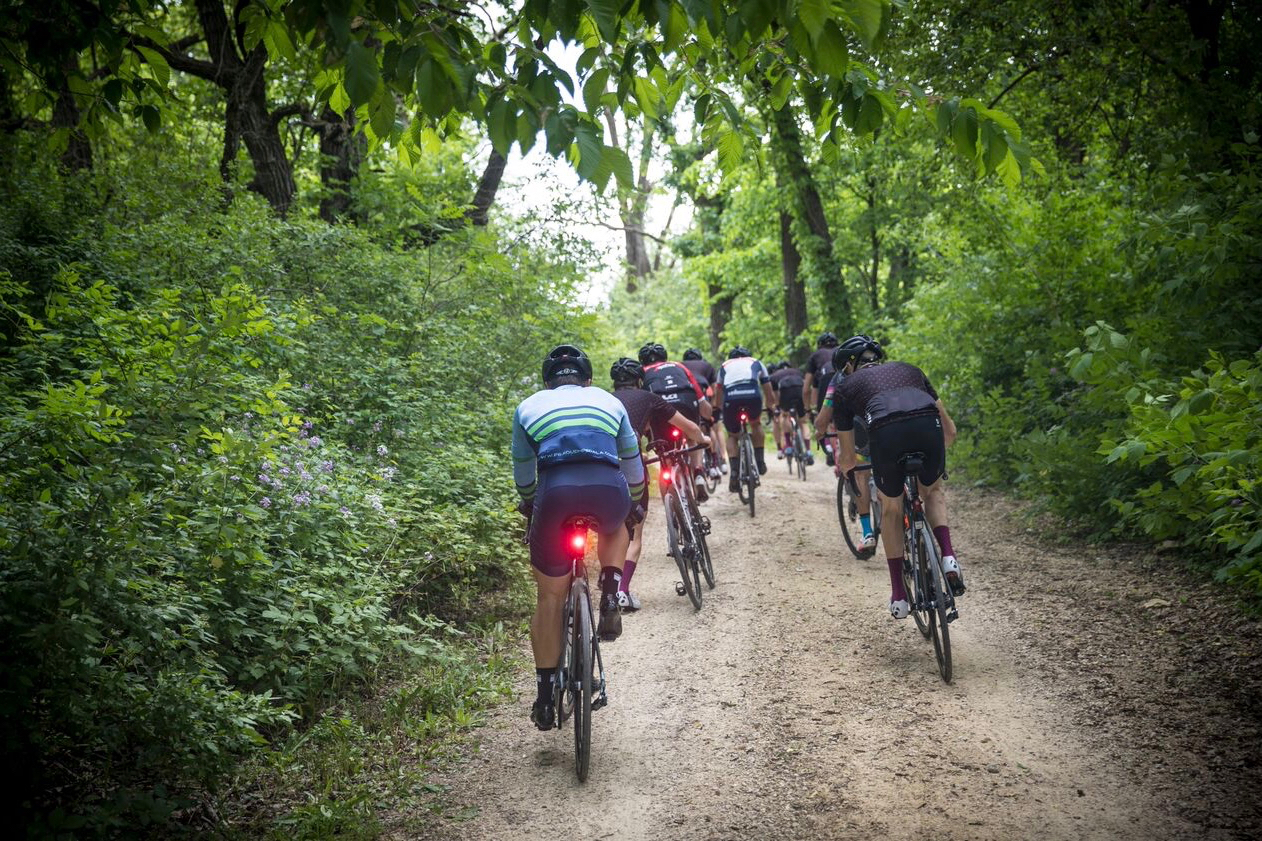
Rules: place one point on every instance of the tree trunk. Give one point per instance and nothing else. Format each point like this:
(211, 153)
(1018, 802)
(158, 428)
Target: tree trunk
(488, 186)
(794, 289)
(78, 153)
(811, 235)
(720, 314)
(341, 150)
(874, 236)
(898, 287)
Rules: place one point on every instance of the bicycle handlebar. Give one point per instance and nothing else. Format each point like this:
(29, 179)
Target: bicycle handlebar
(678, 451)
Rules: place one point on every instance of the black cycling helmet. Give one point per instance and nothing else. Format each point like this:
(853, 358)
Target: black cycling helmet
(737, 352)
(826, 339)
(652, 352)
(626, 370)
(692, 353)
(566, 361)
(854, 348)
(784, 363)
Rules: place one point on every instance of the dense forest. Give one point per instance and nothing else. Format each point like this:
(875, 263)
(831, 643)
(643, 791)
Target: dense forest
(265, 312)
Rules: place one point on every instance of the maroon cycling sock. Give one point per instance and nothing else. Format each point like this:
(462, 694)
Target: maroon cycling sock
(943, 533)
(897, 591)
(628, 570)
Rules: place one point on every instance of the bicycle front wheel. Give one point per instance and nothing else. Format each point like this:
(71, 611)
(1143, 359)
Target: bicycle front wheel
(848, 517)
(935, 583)
(799, 449)
(581, 671)
(703, 547)
(678, 534)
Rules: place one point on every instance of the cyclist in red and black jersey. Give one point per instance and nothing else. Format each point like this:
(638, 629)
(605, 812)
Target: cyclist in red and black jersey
(903, 414)
(677, 386)
(647, 411)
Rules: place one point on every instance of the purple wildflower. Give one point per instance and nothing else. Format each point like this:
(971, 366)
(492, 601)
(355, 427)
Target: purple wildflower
(382, 451)
(284, 471)
(315, 441)
(344, 511)
(223, 459)
(235, 478)
(305, 476)
(265, 502)
(302, 498)
(326, 466)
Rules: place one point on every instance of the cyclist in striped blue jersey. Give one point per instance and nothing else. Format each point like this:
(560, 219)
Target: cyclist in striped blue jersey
(574, 453)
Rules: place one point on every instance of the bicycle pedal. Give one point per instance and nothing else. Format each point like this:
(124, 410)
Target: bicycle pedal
(680, 590)
(953, 615)
(705, 525)
(599, 701)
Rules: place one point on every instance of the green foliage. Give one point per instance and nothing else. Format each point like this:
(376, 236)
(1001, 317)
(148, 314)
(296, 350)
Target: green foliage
(243, 465)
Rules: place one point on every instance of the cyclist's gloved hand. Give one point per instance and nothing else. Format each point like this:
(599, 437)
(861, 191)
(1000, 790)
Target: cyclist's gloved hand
(854, 486)
(526, 507)
(718, 415)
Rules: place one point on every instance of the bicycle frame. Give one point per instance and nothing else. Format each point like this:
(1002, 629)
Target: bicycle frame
(922, 563)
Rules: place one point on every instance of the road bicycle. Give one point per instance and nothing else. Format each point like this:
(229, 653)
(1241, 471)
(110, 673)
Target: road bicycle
(932, 603)
(747, 467)
(800, 449)
(686, 527)
(580, 683)
(849, 513)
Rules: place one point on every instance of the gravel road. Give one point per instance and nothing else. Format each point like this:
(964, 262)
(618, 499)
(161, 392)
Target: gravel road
(1097, 693)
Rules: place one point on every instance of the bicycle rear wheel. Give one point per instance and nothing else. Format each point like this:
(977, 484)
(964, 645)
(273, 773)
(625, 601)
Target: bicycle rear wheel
(749, 471)
(935, 585)
(710, 464)
(848, 517)
(582, 686)
(799, 449)
(679, 536)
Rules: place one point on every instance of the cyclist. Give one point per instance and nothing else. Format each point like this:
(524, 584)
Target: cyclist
(743, 385)
(646, 411)
(787, 382)
(904, 414)
(677, 386)
(574, 452)
(706, 378)
(823, 421)
(819, 370)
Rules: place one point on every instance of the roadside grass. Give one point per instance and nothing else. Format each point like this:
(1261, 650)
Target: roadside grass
(370, 757)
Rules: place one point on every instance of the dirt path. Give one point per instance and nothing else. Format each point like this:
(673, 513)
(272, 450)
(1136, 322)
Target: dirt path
(1093, 698)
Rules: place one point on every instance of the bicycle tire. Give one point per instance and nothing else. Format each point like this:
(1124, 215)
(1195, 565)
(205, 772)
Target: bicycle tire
(703, 558)
(916, 598)
(563, 698)
(676, 535)
(931, 569)
(583, 664)
(741, 468)
(799, 448)
(710, 464)
(749, 471)
(848, 517)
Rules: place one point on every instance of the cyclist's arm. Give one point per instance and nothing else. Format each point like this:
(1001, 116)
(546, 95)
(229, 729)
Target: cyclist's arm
(631, 463)
(823, 419)
(706, 410)
(846, 457)
(690, 429)
(808, 388)
(524, 474)
(718, 394)
(769, 396)
(948, 425)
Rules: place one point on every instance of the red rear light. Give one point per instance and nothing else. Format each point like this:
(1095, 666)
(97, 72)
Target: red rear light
(666, 477)
(744, 417)
(578, 541)
(674, 432)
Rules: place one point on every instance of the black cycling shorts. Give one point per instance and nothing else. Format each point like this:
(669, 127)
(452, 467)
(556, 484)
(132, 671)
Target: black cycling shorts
(791, 400)
(888, 442)
(683, 403)
(590, 488)
(732, 412)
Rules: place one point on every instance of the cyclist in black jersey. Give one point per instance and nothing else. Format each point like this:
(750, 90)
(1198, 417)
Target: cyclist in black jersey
(787, 382)
(648, 411)
(707, 376)
(818, 371)
(903, 414)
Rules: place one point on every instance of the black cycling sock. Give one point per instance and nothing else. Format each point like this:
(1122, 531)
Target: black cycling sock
(758, 456)
(544, 679)
(610, 578)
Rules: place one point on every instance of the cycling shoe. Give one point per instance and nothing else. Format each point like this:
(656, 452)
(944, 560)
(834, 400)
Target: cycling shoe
(543, 714)
(954, 577)
(610, 627)
(899, 609)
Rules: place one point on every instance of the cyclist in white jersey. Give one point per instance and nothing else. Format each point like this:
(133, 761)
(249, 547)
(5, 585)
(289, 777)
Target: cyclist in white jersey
(744, 385)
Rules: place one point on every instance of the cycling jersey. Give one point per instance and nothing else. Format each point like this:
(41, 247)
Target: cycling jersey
(883, 393)
(742, 380)
(786, 377)
(646, 410)
(701, 370)
(820, 365)
(572, 424)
